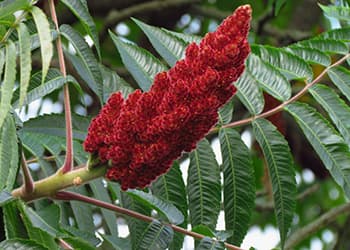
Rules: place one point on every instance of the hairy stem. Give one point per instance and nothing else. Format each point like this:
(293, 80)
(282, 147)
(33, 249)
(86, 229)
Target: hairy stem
(68, 163)
(51, 185)
(65, 195)
(280, 107)
(28, 184)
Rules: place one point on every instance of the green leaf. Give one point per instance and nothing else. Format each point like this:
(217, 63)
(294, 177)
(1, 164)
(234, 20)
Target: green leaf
(342, 34)
(269, 78)
(117, 243)
(9, 81)
(8, 7)
(114, 83)
(311, 55)
(82, 211)
(79, 8)
(100, 193)
(25, 61)
(278, 5)
(156, 237)
(338, 12)
(88, 60)
(21, 244)
(329, 146)
(78, 243)
(54, 124)
(225, 113)
(171, 48)
(336, 108)
(2, 62)
(249, 93)
(187, 38)
(8, 154)
(280, 165)
(87, 237)
(203, 186)
(325, 45)
(46, 48)
(162, 206)
(210, 244)
(5, 197)
(13, 224)
(341, 78)
(171, 187)
(291, 66)
(239, 184)
(204, 230)
(54, 80)
(142, 65)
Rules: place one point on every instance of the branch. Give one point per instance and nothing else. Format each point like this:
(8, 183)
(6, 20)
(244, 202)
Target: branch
(116, 16)
(280, 107)
(314, 226)
(68, 162)
(51, 185)
(68, 196)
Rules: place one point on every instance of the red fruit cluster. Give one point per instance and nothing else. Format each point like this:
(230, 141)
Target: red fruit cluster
(142, 135)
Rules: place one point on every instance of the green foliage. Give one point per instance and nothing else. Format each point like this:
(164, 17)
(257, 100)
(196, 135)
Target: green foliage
(27, 75)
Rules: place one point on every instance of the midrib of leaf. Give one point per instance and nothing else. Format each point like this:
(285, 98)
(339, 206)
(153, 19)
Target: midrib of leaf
(276, 171)
(165, 183)
(324, 148)
(233, 179)
(200, 183)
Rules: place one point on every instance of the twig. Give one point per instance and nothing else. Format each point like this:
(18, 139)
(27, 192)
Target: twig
(314, 226)
(65, 195)
(28, 185)
(280, 107)
(68, 163)
(116, 16)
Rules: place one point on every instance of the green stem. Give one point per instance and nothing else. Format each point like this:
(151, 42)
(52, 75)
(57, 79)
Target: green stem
(51, 185)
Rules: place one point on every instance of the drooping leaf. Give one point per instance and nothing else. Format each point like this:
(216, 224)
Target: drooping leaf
(25, 61)
(339, 12)
(142, 65)
(203, 186)
(162, 206)
(329, 146)
(87, 237)
(9, 81)
(270, 79)
(8, 154)
(171, 188)
(341, 78)
(116, 242)
(100, 193)
(336, 108)
(280, 165)
(239, 184)
(171, 48)
(88, 60)
(291, 66)
(311, 55)
(249, 93)
(79, 8)
(21, 244)
(8, 7)
(210, 244)
(36, 90)
(157, 236)
(225, 113)
(46, 47)
(13, 224)
(78, 243)
(82, 212)
(325, 45)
